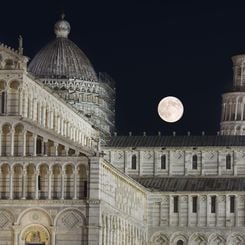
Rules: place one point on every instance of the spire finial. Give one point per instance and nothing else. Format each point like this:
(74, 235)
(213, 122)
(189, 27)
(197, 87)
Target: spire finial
(63, 15)
(20, 44)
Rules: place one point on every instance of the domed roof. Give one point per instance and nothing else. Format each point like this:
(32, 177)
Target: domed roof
(61, 58)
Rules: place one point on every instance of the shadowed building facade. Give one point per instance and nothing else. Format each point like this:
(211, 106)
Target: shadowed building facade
(64, 179)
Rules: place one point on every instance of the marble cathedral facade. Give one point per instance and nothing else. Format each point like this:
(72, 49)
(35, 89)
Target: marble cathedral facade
(64, 179)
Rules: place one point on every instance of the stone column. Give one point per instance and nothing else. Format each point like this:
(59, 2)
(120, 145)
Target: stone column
(236, 107)
(24, 182)
(11, 173)
(43, 116)
(64, 128)
(51, 119)
(36, 185)
(223, 112)
(230, 111)
(104, 230)
(16, 235)
(117, 231)
(80, 137)
(62, 184)
(12, 142)
(24, 143)
(50, 175)
(169, 210)
(67, 129)
(94, 209)
(189, 209)
(198, 210)
(42, 146)
(39, 114)
(67, 151)
(236, 214)
(61, 126)
(34, 145)
(58, 124)
(45, 147)
(53, 236)
(207, 210)
(56, 153)
(75, 182)
(20, 102)
(227, 213)
(109, 230)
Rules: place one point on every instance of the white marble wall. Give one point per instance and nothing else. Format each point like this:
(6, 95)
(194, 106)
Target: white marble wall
(190, 227)
(124, 208)
(211, 161)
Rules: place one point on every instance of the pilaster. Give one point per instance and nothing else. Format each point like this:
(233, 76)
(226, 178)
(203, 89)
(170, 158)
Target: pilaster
(95, 230)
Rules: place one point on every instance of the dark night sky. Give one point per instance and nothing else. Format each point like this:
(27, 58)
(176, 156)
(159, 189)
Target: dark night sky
(151, 48)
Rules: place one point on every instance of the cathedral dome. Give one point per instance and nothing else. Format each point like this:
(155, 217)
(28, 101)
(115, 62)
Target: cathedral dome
(61, 58)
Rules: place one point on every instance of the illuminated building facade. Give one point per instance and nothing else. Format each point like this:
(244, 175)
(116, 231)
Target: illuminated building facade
(64, 179)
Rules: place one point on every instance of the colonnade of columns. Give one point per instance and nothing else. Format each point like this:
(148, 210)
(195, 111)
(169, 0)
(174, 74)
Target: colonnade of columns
(43, 182)
(50, 118)
(17, 141)
(116, 230)
(49, 114)
(233, 111)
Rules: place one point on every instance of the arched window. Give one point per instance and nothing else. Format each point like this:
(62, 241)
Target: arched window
(228, 161)
(133, 162)
(194, 162)
(180, 242)
(176, 204)
(213, 204)
(163, 162)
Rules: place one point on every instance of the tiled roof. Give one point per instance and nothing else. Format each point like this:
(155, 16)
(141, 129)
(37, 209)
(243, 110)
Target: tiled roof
(176, 141)
(172, 184)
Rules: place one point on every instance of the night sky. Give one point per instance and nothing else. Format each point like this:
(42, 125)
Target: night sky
(152, 49)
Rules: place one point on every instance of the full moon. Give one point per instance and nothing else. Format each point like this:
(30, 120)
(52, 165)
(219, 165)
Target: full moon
(170, 109)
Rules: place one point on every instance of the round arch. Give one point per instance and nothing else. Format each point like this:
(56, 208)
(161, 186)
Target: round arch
(14, 84)
(235, 238)
(67, 210)
(176, 237)
(158, 238)
(41, 210)
(216, 238)
(197, 238)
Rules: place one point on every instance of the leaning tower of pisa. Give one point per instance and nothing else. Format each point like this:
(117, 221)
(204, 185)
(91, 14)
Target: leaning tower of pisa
(233, 101)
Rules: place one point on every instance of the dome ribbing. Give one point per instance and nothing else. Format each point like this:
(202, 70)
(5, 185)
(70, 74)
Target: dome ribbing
(62, 58)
